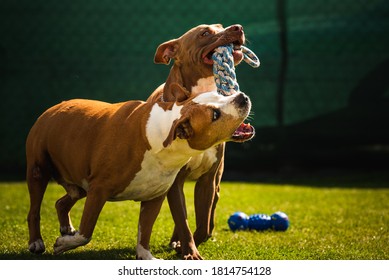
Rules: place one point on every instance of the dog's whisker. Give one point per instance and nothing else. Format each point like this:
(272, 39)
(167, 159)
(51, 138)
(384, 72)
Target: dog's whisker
(250, 117)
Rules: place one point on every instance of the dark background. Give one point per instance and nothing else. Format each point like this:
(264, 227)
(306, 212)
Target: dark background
(320, 97)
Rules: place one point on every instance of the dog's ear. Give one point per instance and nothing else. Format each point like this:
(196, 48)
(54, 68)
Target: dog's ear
(179, 92)
(166, 51)
(181, 128)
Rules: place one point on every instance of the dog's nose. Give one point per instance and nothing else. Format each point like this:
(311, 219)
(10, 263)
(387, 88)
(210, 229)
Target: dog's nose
(235, 27)
(242, 99)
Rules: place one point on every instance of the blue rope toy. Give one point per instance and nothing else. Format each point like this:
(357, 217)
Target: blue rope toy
(224, 69)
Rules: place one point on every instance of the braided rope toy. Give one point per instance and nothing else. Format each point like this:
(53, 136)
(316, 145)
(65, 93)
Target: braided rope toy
(224, 69)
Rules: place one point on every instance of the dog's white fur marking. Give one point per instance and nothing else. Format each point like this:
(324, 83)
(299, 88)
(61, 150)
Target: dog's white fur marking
(224, 103)
(159, 124)
(143, 254)
(204, 85)
(154, 179)
(68, 242)
(68, 230)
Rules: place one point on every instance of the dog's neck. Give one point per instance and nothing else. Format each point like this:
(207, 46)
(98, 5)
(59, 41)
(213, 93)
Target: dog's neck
(194, 79)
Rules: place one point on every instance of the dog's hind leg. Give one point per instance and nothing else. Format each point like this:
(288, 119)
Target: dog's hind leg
(64, 205)
(37, 179)
(97, 196)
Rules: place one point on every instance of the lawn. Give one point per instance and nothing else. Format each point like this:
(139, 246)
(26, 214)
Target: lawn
(332, 222)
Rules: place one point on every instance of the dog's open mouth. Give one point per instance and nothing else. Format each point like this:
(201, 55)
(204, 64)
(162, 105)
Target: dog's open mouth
(237, 54)
(243, 133)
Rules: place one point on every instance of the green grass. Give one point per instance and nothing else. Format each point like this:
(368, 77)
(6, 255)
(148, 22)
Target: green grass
(326, 223)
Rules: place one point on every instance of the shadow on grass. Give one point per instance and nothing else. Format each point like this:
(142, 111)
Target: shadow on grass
(108, 254)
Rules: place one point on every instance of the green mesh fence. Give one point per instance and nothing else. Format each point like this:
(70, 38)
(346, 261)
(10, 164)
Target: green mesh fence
(321, 90)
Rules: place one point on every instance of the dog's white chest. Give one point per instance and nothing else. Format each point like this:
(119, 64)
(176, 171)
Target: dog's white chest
(153, 180)
(202, 163)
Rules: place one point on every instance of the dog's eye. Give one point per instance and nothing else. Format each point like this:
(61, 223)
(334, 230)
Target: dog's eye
(206, 33)
(215, 115)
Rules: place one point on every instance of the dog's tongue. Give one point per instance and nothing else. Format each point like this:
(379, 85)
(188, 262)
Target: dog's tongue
(243, 133)
(237, 53)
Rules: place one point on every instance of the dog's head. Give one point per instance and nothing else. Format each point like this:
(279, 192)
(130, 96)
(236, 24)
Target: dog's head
(210, 119)
(197, 45)
(192, 55)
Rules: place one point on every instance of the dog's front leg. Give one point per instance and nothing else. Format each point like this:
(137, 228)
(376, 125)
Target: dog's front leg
(94, 203)
(176, 200)
(149, 211)
(206, 197)
(182, 236)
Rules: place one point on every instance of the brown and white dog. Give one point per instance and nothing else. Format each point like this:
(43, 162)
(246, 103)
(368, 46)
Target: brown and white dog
(191, 75)
(124, 151)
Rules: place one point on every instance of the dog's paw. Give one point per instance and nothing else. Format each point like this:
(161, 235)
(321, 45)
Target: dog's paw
(68, 242)
(190, 252)
(194, 256)
(37, 247)
(143, 254)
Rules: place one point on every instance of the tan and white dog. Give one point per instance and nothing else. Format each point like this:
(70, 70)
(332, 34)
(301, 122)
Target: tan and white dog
(191, 75)
(125, 151)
